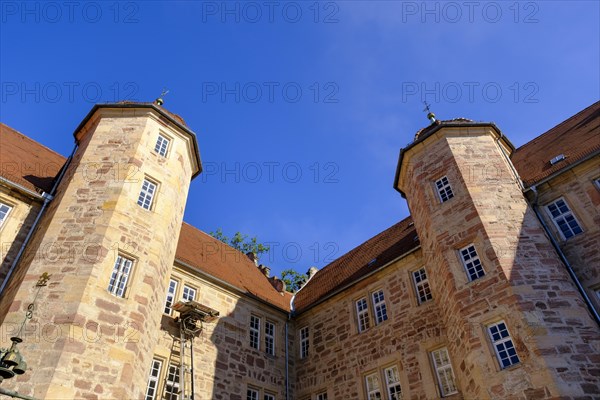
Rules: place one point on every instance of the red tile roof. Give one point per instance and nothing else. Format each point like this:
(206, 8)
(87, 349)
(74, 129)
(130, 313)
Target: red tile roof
(368, 257)
(576, 138)
(223, 262)
(26, 162)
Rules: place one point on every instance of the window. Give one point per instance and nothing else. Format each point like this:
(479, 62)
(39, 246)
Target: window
(254, 332)
(422, 285)
(373, 390)
(379, 306)
(444, 372)
(270, 338)
(563, 218)
(269, 396)
(362, 313)
(146, 194)
(4, 210)
(162, 144)
(153, 380)
(503, 345)
(172, 384)
(251, 394)
(471, 262)
(304, 342)
(118, 280)
(170, 296)
(597, 183)
(189, 293)
(322, 396)
(444, 189)
(392, 382)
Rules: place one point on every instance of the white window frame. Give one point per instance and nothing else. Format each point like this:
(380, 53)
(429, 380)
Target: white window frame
(255, 332)
(147, 194)
(188, 293)
(392, 382)
(270, 330)
(444, 189)
(362, 314)
(304, 342)
(160, 147)
(503, 344)
(322, 396)
(566, 219)
(5, 210)
(119, 278)
(153, 379)
(471, 262)
(379, 307)
(444, 373)
(269, 396)
(172, 382)
(170, 297)
(373, 386)
(252, 394)
(422, 287)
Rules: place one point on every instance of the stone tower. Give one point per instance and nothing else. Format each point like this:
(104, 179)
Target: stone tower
(491, 263)
(108, 239)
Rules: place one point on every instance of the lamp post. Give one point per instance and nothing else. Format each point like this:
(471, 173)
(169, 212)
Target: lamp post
(11, 361)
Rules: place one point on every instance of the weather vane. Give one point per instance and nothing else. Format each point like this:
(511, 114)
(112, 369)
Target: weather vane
(160, 101)
(430, 115)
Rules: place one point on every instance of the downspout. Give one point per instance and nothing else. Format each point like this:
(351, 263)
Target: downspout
(287, 360)
(47, 199)
(563, 258)
(15, 394)
(534, 206)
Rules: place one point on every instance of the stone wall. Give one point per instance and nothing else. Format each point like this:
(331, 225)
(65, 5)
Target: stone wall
(83, 341)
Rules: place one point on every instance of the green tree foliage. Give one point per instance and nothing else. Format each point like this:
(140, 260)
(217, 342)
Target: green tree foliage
(241, 242)
(293, 280)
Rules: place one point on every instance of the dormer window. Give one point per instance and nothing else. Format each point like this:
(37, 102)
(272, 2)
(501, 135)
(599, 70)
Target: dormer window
(556, 159)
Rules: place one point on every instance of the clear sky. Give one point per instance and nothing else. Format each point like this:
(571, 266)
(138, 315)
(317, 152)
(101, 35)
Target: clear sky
(300, 107)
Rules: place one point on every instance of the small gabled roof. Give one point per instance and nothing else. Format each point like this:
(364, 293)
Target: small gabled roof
(223, 262)
(577, 138)
(26, 162)
(370, 256)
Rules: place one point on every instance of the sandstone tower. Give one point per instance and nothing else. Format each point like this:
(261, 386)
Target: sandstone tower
(501, 287)
(108, 240)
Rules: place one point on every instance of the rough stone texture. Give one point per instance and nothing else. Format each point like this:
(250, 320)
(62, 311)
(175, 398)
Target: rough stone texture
(78, 327)
(15, 228)
(525, 283)
(224, 362)
(577, 187)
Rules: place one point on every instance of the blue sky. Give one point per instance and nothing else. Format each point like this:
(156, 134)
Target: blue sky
(300, 107)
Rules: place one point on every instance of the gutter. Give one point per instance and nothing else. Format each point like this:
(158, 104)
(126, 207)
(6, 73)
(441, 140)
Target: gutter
(346, 286)
(156, 108)
(229, 285)
(563, 258)
(11, 393)
(47, 199)
(21, 189)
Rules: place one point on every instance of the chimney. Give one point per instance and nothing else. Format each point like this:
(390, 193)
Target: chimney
(266, 271)
(278, 284)
(252, 256)
(312, 271)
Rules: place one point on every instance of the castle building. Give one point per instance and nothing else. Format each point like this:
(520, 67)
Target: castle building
(489, 290)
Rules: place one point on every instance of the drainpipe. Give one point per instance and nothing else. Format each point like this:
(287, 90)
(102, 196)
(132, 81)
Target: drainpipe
(15, 394)
(47, 199)
(287, 360)
(563, 258)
